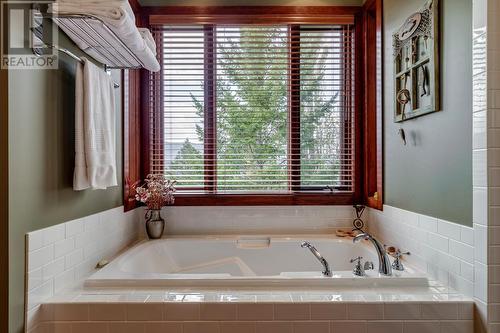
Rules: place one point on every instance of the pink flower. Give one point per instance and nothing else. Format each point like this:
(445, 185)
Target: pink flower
(156, 191)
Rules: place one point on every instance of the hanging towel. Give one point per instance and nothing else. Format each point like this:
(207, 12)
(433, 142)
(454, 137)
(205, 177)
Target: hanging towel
(119, 18)
(95, 159)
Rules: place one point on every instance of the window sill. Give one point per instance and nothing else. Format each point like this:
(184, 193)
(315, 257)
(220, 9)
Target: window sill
(264, 199)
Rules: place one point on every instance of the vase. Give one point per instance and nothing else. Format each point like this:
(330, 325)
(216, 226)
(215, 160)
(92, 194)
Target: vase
(154, 223)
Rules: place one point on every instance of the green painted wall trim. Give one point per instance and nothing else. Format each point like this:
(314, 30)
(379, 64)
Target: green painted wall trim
(432, 175)
(41, 159)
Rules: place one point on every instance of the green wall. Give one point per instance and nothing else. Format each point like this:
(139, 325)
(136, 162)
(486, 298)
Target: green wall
(41, 156)
(433, 174)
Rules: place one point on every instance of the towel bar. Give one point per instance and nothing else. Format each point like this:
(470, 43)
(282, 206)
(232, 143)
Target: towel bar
(74, 56)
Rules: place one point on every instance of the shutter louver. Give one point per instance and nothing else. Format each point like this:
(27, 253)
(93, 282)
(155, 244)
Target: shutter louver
(254, 108)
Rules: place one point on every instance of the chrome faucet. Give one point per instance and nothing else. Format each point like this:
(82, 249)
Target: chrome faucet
(384, 264)
(326, 267)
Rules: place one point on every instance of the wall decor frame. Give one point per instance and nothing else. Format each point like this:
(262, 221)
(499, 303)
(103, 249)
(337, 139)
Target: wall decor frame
(416, 64)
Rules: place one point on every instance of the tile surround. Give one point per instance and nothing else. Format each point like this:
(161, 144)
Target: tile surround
(443, 249)
(78, 309)
(61, 255)
(267, 316)
(251, 220)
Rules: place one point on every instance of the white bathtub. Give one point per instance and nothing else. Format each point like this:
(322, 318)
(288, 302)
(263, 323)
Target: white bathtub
(244, 261)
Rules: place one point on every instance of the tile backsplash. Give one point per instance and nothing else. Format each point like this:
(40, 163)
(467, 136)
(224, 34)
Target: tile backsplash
(443, 249)
(256, 219)
(60, 255)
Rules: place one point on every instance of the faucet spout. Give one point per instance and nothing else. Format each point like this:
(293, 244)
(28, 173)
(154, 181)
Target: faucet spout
(384, 263)
(326, 267)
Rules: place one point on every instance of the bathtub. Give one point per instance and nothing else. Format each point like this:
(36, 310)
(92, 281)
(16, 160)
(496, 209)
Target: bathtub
(245, 261)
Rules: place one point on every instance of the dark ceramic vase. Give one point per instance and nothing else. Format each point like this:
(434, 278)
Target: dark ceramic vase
(154, 223)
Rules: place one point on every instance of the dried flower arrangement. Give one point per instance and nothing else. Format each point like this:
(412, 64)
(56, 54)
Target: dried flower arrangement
(156, 191)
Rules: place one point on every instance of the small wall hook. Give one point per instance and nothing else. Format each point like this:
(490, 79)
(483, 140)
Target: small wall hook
(402, 134)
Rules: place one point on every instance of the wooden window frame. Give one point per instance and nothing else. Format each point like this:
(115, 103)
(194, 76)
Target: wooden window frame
(137, 168)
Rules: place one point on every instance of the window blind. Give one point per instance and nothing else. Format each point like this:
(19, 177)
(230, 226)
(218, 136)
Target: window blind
(251, 109)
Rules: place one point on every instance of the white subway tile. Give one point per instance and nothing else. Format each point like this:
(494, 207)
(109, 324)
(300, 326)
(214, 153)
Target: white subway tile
(64, 280)
(427, 223)
(34, 278)
(53, 234)
(481, 243)
(463, 286)
(467, 271)
(480, 206)
(467, 235)
(437, 242)
(40, 257)
(91, 222)
(85, 268)
(479, 171)
(64, 247)
(74, 258)
(449, 229)
(41, 293)
(462, 251)
(35, 240)
(74, 227)
(437, 273)
(479, 130)
(52, 269)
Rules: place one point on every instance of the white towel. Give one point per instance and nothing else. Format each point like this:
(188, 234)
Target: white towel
(119, 18)
(113, 9)
(95, 159)
(148, 38)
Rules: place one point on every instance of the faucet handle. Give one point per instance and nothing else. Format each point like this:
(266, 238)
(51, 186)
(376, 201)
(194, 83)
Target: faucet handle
(358, 269)
(398, 254)
(358, 259)
(397, 264)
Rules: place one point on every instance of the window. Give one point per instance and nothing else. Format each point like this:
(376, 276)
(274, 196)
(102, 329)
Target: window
(254, 109)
